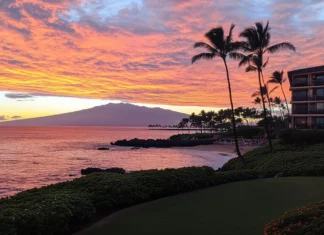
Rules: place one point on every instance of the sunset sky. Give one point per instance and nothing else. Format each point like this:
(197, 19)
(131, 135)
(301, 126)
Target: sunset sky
(63, 55)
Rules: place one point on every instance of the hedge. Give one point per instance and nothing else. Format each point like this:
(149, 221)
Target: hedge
(300, 137)
(308, 220)
(67, 207)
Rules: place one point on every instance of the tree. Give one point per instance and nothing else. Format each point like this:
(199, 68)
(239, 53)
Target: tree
(257, 100)
(278, 78)
(257, 45)
(221, 47)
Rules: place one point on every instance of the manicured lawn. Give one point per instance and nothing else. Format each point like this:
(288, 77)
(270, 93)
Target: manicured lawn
(235, 208)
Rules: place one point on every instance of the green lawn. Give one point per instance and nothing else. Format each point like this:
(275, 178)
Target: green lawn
(235, 208)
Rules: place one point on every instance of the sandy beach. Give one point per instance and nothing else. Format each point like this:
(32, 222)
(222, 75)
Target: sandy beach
(224, 149)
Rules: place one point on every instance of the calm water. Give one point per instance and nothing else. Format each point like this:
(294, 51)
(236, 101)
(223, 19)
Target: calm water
(36, 156)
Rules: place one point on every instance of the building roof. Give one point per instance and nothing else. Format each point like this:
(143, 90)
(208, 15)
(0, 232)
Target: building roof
(305, 70)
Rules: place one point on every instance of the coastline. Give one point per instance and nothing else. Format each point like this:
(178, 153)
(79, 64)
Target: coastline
(223, 149)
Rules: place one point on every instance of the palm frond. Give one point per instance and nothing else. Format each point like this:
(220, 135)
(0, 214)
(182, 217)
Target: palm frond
(273, 89)
(250, 68)
(230, 34)
(216, 37)
(245, 60)
(206, 56)
(281, 46)
(236, 56)
(266, 63)
(256, 93)
(205, 45)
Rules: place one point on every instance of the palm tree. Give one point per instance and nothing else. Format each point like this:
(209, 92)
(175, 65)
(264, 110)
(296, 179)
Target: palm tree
(257, 100)
(258, 44)
(221, 46)
(277, 78)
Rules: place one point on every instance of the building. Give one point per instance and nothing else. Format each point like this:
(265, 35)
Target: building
(307, 87)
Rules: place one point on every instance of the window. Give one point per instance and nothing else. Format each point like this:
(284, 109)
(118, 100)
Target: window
(319, 123)
(300, 108)
(320, 106)
(300, 80)
(299, 95)
(301, 122)
(320, 92)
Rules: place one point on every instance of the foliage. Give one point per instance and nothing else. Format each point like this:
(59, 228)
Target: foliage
(65, 207)
(247, 132)
(159, 143)
(300, 137)
(287, 160)
(192, 136)
(306, 220)
(91, 170)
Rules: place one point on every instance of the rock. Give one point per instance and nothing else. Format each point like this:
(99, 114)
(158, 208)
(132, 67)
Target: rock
(135, 148)
(72, 175)
(91, 170)
(102, 148)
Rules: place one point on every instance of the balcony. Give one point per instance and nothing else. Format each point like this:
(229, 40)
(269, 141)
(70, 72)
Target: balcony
(318, 83)
(299, 98)
(309, 98)
(316, 111)
(299, 84)
(300, 111)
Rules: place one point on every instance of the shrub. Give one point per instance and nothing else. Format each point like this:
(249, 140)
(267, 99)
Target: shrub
(306, 220)
(247, 132)
(194, 136)
(65, 207)
(91, 170)
(287, 160)
(300, 137)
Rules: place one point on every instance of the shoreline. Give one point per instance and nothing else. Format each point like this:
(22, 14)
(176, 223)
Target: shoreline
(223, 149)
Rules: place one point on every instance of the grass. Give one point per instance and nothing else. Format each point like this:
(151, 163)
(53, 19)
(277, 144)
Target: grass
(235, 208)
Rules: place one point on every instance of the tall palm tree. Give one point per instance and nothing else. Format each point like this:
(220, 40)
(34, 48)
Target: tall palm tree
(278, 78)
(258, 44)
(221, 46)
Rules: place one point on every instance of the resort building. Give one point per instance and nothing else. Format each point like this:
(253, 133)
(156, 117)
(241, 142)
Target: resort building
(307, 87)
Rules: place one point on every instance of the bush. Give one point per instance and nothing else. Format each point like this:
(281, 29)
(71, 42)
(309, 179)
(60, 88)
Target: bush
(91, 170)
(287, 160)
(307, 220)
(162, 143)
(194, 136)
(66, 207)
(300, 137)
(247, 132)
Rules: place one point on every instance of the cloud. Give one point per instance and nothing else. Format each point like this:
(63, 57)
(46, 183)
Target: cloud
(16, 117)
(140, 50)
(18, 96)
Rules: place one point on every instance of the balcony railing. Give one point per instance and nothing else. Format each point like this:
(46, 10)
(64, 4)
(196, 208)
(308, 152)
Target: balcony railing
(299, 98)
(316, 111)
(309, 98)
(301, 126)
(299, 84)
(318, 126)
(318, 83)
(300, 111)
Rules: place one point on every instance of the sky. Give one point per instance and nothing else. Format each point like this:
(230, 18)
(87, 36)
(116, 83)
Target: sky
(59, 56)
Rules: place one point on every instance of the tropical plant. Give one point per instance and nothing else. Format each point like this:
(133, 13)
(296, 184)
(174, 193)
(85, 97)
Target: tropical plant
(278, 78)
(257, 100)
(257, 44)
(222, 47)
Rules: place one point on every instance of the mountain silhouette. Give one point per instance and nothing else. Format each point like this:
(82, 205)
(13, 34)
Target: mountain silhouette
(121, 114)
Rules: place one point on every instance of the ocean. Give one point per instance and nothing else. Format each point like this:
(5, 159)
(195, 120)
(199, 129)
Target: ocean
(37, 156)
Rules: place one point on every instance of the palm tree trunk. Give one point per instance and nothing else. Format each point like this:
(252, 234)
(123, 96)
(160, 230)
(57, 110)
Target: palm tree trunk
(268, 97)
(286, 103)
(265, 114)
(233, 116)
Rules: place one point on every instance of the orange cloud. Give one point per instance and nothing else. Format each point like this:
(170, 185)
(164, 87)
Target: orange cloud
(141, 52)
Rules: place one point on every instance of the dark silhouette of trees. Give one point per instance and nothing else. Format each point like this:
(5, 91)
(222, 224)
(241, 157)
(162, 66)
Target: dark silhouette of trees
(278, 78)
(221, 46)
(257, 44)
